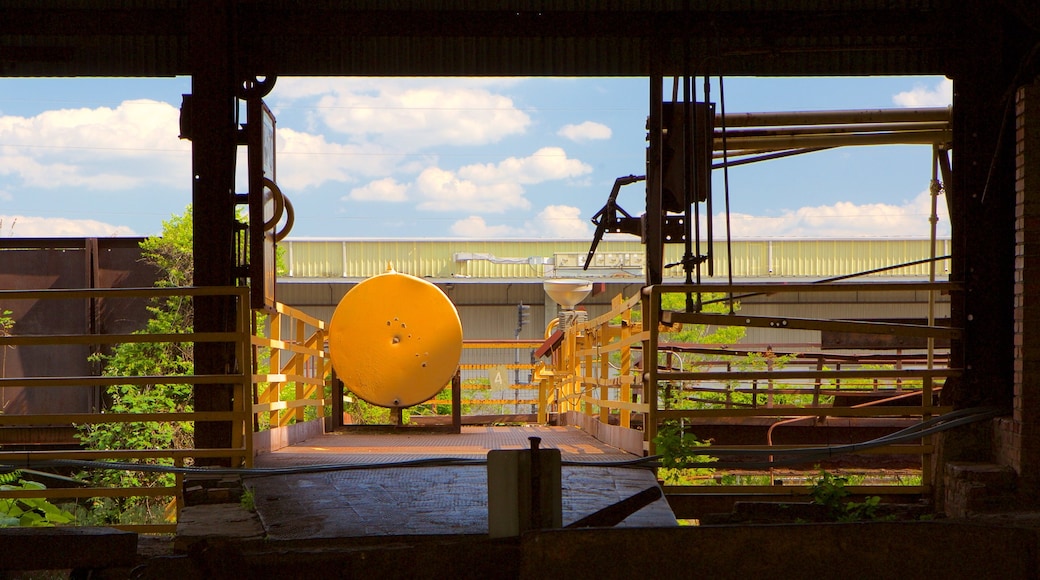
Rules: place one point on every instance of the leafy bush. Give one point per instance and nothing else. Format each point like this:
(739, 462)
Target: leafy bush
(830, 491)
(171, 253)
(681, 463)
(28, 512)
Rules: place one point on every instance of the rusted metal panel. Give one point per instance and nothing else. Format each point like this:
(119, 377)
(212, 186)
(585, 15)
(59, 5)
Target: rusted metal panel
(831, 339)
(41, 267)
(67, 263)
(119, 265)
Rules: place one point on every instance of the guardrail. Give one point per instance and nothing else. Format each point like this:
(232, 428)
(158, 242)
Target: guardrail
(238, 453)
(287, 371)
(591, 372)
(497, 381)
(290, 370)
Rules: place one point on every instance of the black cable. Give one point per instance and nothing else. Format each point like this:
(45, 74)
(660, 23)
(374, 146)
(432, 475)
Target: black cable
(802, 455)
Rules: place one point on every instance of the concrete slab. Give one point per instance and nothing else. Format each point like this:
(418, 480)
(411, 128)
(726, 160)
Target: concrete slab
(216, 521)
(450, 499)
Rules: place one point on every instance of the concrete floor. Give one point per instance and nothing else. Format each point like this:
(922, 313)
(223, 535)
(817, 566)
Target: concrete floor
(434, 500)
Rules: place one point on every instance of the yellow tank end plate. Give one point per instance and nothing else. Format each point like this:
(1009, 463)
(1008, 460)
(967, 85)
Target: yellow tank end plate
(395, 340)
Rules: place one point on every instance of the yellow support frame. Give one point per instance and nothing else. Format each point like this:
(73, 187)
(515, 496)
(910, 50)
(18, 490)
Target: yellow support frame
(581, 372)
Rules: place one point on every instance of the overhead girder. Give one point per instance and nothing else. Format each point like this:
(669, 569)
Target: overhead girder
(292, 38)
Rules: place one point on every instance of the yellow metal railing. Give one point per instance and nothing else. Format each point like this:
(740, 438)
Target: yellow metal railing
(482, 359)
(290, 368)
(580, 378)
(591, 372)
(239, 453)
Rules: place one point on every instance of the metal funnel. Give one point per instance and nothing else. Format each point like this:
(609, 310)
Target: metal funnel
(567, 292)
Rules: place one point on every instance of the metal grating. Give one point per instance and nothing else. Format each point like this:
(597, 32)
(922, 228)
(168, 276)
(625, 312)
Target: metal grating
(430, 500)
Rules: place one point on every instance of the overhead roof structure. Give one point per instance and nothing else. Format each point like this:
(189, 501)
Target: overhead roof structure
(128, 38)
(989, 48)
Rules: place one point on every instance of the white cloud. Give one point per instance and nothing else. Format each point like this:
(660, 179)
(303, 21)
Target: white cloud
(380, 190)
(554, 221)
(492, 187)
(411, 115)
(445, 191)
(29, 227)
(476, 227)
(941, 95)
(296, 88)
(308, 160)
(843, 220)
(587, 131)
(562, 221)
(545, 164)
(134, 145)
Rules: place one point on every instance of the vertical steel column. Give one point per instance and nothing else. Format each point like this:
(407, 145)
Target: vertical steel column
(653, 226)
(982, 217)
(214, 143)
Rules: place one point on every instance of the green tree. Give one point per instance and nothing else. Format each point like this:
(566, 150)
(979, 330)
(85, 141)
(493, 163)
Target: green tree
(701, 333)
(171, 253)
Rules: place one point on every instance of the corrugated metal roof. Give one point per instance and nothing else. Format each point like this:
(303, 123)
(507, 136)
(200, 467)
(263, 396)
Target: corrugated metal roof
(525, 260)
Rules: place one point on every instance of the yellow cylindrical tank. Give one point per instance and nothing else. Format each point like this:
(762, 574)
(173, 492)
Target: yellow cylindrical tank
(395, 340)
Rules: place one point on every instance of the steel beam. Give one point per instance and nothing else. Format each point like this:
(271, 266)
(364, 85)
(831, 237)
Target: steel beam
(653, 225)
(983, 220)
(214, 144)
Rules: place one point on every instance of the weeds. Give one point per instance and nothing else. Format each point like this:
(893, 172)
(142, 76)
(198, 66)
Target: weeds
(830, 492)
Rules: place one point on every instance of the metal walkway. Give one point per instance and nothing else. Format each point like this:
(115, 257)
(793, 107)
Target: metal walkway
(399, 501)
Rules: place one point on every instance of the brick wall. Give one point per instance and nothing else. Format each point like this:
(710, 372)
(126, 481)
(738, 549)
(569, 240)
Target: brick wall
(1018, 438)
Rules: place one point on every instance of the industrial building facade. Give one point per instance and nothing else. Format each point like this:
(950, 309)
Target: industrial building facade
(488, 280)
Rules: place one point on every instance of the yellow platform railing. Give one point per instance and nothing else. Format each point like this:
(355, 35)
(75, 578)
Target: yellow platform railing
(591, 372)
(290, 368)
(483, 362)
(238, 453)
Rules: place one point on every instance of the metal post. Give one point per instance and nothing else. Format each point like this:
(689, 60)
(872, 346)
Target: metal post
(456, 402)
(654, 225)
(536, 517)
(651, 305)
(214, 145)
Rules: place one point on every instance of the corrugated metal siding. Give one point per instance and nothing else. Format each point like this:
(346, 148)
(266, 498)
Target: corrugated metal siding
(810, 259)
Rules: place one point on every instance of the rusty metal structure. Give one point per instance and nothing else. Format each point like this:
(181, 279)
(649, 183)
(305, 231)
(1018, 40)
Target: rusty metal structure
(31, 264)
(228, 47)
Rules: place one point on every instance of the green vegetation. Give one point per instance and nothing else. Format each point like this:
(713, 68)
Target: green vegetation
(28, 512)
(700, 333)
(248, 500)
(364, 413)
(830, 491)
(680, 460)
(6, 324)
(171, 253)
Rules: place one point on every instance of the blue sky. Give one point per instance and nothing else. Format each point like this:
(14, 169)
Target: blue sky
(444, 158)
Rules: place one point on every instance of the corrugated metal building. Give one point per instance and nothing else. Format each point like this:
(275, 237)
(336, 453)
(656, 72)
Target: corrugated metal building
(488, 279)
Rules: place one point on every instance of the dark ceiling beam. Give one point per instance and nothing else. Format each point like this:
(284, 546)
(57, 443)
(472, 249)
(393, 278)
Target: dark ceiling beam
(310, 40)
(68, 22)
(1027, 11)
(590, 23)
